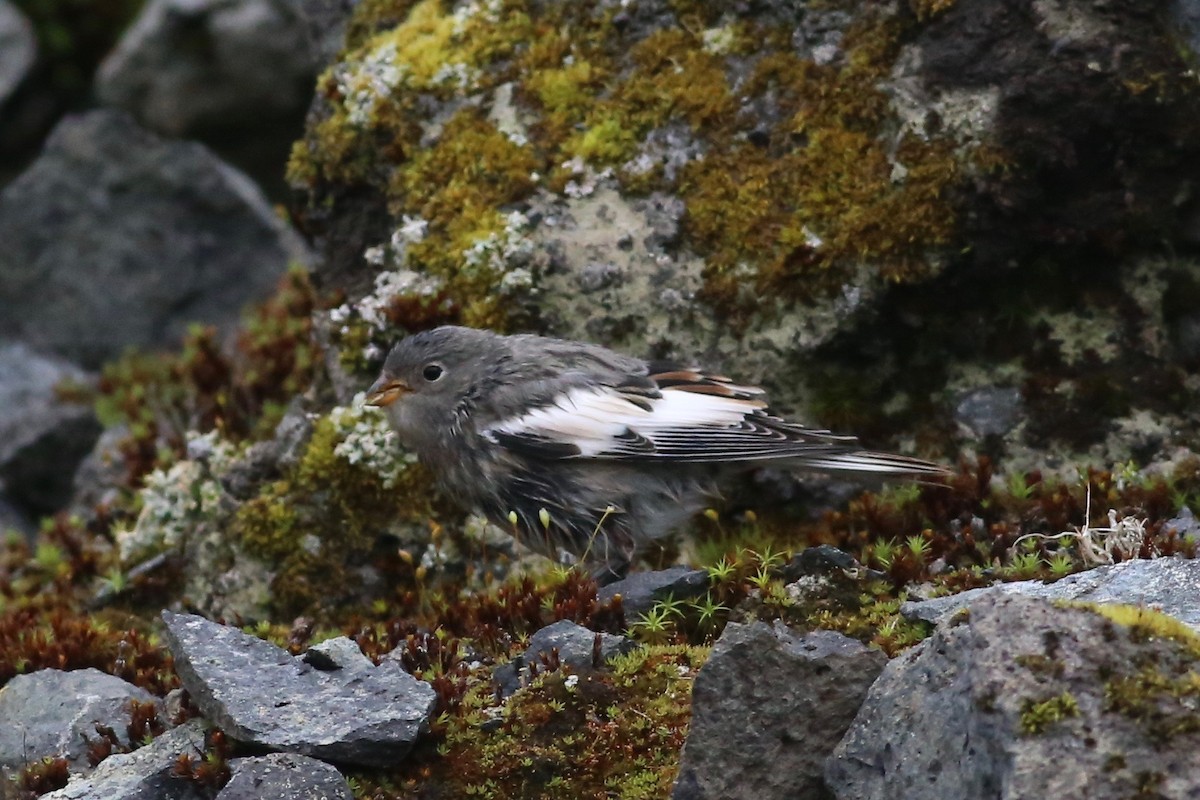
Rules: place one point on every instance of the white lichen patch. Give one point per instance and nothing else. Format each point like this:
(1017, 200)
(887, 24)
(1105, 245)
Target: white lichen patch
(177, 500)
(366, 440)
(503, 253)
(1076, 333)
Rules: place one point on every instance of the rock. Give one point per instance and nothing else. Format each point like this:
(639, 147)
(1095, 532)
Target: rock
(52, 714)
(1186, 16)
(195, 67)
(576, 646)
(260, 694)
(115, 238)
(13, 519)
(820, 560)
(641, 590)
(989, 411)
(43, 435)
(144, 774)
(1169, 585)
(100, 473)
(1017, 698)
(284, 776)
(326, 26)
(338, 653)
(767, 708)
(18, 49)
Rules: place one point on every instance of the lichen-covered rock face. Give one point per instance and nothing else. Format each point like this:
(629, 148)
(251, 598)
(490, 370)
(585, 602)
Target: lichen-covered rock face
(975, 710)
(883, 212)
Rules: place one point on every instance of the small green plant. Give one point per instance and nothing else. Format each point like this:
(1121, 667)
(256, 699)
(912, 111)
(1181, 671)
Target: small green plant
(653, 627)
(919, 546)
(1025, 565)
(1061, 565)
(884, 552)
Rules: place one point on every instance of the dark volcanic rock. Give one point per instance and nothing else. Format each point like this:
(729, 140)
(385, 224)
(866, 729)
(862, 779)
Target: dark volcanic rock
(1016, 697)
(144, 774)
(116, 238)
(576, 647)
(260, 694)
(18, 49)
(52, 714)
(43, 437)
(767, 707)
(641, 590)
(189, 67)
(284, 776)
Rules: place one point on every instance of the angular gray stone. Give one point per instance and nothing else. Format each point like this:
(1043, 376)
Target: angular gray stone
(1169, 585)
(767, 708)
(641, 590)
(260, 694)
(18, 49)
(1018, 698)
(188, 67)
(114, 238)
(284, 776)
(576, 646)
(53, 714)
(43, 437)
(144, 774)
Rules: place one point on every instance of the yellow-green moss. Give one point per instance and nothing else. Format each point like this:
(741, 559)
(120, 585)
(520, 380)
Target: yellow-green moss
(1148, 623)
(792, 213)
(1038, 715)
(323, 517)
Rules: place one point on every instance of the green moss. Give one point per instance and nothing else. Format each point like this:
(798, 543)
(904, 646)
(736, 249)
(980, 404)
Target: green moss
(1164, 705)
(1037, 716)
(792, 216)
(323, 518)
(615, 733)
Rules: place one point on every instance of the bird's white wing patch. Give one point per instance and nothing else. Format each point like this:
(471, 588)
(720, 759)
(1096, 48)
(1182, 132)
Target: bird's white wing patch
(601, 421)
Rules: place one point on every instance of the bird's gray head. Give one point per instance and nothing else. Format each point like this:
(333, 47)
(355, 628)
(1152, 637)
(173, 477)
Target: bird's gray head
(426, 375)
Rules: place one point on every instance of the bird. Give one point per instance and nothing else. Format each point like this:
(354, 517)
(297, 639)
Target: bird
(584, 453)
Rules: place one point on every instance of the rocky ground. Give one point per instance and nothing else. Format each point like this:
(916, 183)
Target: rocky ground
(962, 230)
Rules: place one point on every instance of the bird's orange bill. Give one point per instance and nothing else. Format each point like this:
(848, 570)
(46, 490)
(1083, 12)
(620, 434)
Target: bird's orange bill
(386, 391)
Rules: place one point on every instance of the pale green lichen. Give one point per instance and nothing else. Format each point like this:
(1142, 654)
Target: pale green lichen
(175, 500)
(368, 441)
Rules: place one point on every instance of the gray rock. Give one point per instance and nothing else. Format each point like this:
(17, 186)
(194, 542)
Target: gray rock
(1169, 585)
(14, 519)
(284, 776)
(1019, 698)
(144, 774)
(115, 238)
(990, 410)
(187, 67)
(18, 49)
(42, 436)
(1185, 14)
(51, 713)
(260, 694)
(326, 26)
(767, 708)
(576, 646)
(340, 652)
(641, 590)
(100, 473)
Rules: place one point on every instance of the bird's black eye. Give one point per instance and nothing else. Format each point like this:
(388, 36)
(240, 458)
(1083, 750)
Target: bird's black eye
(432, 372)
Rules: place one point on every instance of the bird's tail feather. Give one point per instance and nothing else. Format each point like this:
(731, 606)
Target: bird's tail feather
(872, 463)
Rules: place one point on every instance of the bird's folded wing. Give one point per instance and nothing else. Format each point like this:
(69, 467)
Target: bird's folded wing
(697, 422)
